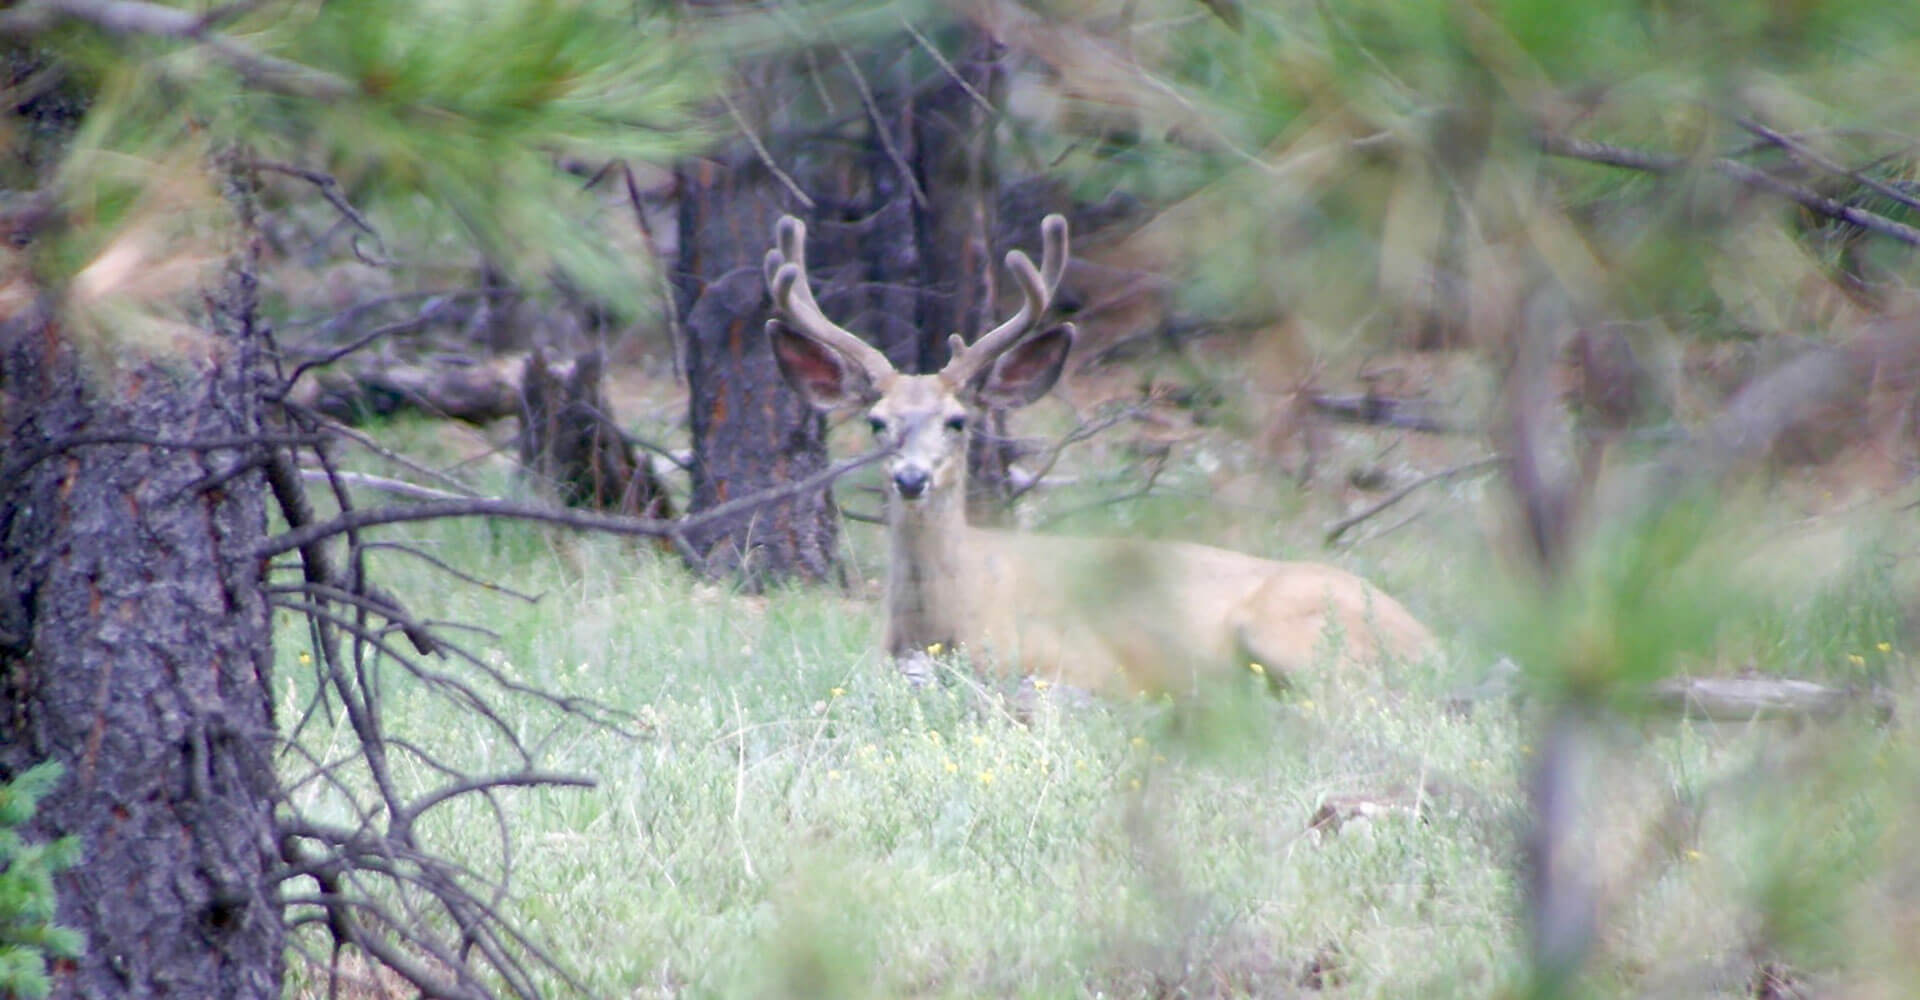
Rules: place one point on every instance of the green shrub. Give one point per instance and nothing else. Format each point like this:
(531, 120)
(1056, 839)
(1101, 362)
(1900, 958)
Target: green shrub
(28, 935)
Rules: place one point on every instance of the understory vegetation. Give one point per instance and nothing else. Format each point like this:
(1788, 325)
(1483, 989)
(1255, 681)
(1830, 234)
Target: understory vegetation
(777, 813)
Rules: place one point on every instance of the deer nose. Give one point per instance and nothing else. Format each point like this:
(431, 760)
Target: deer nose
(911, 482)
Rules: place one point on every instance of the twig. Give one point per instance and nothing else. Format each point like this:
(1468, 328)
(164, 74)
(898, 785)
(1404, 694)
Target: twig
(377, 333)
(760, 150)
(880, 129)
(329, 189)
(1079, 433)
(397, 487)
(1802, 151)
(953, 74)
(333, 426)
(1340, 527)
(351, 520)
(1616, 156)
(1156, 465)
(668, 308)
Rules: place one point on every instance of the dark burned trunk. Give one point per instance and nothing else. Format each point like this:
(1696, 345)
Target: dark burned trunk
(928, 248)
(750, 432)
(954, 138)
(569, 440)
(138, 655)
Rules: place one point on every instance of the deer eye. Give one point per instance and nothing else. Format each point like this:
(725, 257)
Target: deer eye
(957, 424)
(879, 425)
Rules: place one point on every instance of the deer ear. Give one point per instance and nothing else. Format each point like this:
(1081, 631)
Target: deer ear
(822, 376)
(1026, 371)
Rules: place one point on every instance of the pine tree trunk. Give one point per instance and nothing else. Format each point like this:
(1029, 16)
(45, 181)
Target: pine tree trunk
(954, 129)
(135, 649)
(750, 432)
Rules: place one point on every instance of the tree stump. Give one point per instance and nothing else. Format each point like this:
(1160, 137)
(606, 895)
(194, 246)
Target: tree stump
(568, 440)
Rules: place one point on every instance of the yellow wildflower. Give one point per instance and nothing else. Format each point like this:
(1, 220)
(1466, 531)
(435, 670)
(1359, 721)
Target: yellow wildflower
(1139, 741)
(1257, 668)
(1885, 647)
(986, 777)
(837, 692)
(935, 649)
(950, 765)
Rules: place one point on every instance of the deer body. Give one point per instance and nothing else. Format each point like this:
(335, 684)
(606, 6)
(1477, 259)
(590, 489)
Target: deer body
(1107, 614)
(1123, 615)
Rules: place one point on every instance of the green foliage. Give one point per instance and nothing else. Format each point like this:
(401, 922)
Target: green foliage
(441, 118)
(28, 935)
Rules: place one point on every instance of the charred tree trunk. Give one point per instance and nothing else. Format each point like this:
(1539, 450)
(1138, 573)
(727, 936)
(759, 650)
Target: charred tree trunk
(569, 440)
(953, 138)
(750, 432)
(138, 653)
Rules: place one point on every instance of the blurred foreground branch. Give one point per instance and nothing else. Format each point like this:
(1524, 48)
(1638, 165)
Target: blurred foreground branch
(1666, 163)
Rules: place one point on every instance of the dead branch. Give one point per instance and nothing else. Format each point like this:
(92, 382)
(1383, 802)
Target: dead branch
(1740, 699)
(329, 189)
(1080, 432)
(881, 130)
(1385, 411)
(1340, 527)
(1662, 163)
(1801, 151)
(355, 519)
(397, 487)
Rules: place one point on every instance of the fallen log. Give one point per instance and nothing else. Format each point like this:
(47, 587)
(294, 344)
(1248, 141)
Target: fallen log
(478, 392)
(1739, 699)
(1384, 411)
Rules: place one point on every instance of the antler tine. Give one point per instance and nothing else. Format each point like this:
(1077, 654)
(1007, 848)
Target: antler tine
(786, 273)
(1036, 288)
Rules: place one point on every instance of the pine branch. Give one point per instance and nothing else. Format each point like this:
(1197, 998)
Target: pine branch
(135, 17)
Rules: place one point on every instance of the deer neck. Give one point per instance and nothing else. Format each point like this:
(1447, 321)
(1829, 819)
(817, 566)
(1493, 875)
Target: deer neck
(927, 575)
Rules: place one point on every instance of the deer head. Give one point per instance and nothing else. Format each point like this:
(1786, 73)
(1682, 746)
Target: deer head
(923, 418)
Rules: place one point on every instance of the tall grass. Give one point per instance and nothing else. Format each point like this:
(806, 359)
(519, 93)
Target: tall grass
(787, 817)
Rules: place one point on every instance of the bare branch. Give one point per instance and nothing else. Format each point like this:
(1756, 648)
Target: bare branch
(352, 520)
(397, 487)
(1616, 156)
(1340, 527)
(329, 189)
(881, 129)
(1801, 151)
(1079, 433)
(760, 150)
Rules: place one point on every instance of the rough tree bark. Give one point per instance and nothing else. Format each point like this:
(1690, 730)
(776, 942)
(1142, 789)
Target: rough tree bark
(749, 431)
(569, 440)
(140, 652)
(954, 142)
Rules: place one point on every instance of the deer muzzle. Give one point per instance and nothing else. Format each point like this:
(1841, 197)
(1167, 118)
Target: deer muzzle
(910, 482)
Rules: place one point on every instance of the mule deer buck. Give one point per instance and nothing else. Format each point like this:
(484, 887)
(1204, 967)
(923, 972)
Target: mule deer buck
(1113, 615)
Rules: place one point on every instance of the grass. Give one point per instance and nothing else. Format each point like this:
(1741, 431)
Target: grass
(789, 818)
